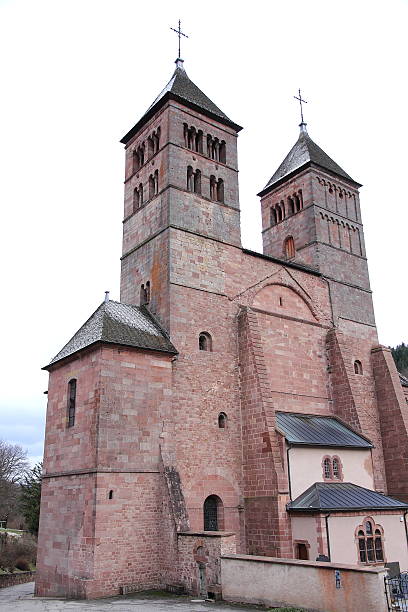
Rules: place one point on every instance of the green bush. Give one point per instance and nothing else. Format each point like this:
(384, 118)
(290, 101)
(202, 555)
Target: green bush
(17, 551)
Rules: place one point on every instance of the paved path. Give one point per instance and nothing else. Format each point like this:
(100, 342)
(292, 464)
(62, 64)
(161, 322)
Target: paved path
(20, 598)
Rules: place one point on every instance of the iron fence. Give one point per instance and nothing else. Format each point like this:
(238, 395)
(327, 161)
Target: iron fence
(396, 590)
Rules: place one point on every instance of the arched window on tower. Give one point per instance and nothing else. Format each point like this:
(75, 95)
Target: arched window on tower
(296, 200)
(140, 195)
(223, 152)
(72, 385)
(289, 247)
(273, 216)
(213, 513)
(135, 199)
(213, 188)
(197, 181)
(199, 141)
(156, 182)
(151, 186)
(222, 420)
(291, 207)
(145, 294)
(150, 147)
(358, 368)
(220, 190)
(190, 179)
(205, 342)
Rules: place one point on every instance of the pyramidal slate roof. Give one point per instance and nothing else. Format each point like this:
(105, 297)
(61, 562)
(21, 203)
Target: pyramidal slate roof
(304, 153)
(182, 89)
(117, 323)
(313, 430)
(342, 496)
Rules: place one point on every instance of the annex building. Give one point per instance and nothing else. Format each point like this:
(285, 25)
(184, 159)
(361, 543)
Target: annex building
(232, 400)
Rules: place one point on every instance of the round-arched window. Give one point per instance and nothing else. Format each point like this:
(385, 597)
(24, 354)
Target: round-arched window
(222, 420)
(205, 341)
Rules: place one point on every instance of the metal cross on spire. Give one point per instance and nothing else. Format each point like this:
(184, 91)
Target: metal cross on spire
(300, 102)
(180, 34)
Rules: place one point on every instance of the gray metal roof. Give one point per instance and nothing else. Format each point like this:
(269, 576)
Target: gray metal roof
(305, 152)
(403, 380)
(313, 430)
(182, 89)
(342, 496)
(118, 323)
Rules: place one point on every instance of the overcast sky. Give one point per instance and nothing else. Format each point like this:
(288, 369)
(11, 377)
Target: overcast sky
(76, 75)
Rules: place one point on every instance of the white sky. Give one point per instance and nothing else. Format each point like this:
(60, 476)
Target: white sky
(76, 75)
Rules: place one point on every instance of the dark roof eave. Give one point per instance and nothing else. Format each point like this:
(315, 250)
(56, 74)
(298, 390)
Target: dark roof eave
(308, 164)
(289, 264)
(350, 509)
(67, 358)
(171, 96)
(324, 445)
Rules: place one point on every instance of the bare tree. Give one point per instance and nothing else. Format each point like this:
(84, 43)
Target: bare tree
(13, 462)
(13, 467)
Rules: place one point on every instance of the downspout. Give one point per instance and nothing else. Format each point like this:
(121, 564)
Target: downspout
(289, 481)
(405, 525)
(326, 519)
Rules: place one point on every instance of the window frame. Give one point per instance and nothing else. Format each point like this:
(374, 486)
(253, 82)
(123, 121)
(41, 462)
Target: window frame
(71, 402)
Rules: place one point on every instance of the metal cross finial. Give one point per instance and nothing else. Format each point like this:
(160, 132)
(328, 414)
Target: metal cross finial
(300, 102)
(180, 34)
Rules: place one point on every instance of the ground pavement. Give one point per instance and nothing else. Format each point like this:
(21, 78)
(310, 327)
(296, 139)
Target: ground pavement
(21, 598)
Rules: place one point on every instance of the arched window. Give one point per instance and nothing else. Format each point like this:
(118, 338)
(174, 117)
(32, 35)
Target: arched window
(110, 496)
(197, 181)
(223, 152)
(150, 147)
(213, 513)
(190, 179)
(135, 161)
(209, 145)
(327, 468)
(358, 368)
(156, 140)
(213, 188)
(205, 342)
(291, 207)
(274, 216)
(220, 190)
(199, 141)
(336, 468)
(151, 186)
(135, 199)
(145, 294)
(289, 247)
(140, 195)
(71, 402)
(370, 542)
(222, 420)
(156, 182)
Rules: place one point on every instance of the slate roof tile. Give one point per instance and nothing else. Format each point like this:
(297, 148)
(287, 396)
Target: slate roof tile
(342, 496)
(314, 430)
(117, 323)
(304, 152)
(181, 88)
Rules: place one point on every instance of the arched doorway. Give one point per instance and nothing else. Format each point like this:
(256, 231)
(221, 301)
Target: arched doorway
(213, 513)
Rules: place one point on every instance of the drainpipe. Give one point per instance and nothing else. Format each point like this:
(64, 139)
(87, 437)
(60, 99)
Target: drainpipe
(289, 481)
(326, 519)
(405, 525)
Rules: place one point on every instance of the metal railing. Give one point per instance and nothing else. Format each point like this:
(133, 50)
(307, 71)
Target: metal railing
(396, 590)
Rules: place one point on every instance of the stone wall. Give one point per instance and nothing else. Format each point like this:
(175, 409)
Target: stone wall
(323, 587)
(8, 580)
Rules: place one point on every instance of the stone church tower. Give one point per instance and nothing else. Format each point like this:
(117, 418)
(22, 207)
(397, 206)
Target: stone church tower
(162, 446)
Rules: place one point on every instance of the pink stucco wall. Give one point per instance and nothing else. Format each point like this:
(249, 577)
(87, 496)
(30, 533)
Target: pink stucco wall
(306, 467)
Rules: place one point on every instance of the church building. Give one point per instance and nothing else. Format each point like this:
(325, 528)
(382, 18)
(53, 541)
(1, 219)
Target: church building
(232, 401)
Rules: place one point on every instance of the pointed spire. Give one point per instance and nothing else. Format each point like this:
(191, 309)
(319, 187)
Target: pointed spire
(182, 89)
(304, 153)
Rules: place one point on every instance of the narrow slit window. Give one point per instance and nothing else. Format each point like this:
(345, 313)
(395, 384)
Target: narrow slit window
(72, 385)
(222, 420)
(358, 368)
